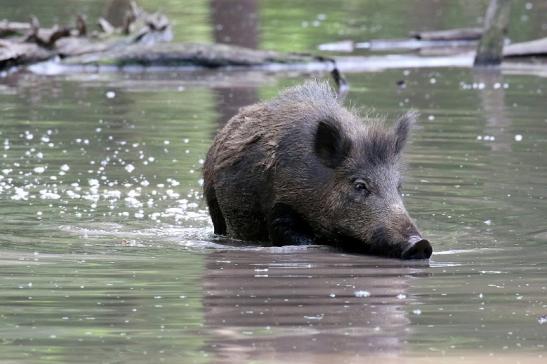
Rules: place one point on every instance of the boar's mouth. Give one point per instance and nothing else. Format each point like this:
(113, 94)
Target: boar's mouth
(414, 248)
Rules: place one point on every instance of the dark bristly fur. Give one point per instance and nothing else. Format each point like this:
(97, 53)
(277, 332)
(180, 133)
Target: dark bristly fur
(303, 169)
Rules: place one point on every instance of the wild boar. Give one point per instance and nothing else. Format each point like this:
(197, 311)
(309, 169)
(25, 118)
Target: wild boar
(303, 169)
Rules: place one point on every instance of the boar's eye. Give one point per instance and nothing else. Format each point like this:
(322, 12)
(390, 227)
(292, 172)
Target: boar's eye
(361, 186)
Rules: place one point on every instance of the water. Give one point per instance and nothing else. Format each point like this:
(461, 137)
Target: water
(107, 252)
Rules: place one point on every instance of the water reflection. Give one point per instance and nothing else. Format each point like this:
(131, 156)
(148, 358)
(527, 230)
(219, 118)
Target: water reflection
(491, 85)
(235, 23)
(307, 304)
(116, 12)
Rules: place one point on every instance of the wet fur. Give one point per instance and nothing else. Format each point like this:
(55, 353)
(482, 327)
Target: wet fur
(279, 170)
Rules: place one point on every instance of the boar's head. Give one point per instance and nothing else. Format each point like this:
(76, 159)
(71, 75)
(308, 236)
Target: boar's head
(363, 209)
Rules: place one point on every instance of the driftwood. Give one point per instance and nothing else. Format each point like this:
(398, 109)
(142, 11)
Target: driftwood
(442, 40)
(9, 29)
(449, 34)
(14, 54)
(185, 54)
(536, 47)
(26, 43)
(142, 40)
(384, 45)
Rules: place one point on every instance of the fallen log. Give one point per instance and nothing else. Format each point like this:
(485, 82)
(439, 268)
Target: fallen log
(384, 45)
(14, 54)
(531, 48)
(437, 39)
(449, 34)
(185, 54)
(142, 40)
(27, 43)
(10, 29)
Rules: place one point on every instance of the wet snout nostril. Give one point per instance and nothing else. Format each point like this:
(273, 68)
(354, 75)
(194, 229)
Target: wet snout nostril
(417, 248)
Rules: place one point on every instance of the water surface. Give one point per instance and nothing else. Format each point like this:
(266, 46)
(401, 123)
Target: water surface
(107, 252)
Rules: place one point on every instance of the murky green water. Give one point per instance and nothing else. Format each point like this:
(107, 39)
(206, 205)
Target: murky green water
(107, 252)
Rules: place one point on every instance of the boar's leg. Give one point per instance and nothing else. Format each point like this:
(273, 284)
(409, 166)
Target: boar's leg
(287, 227)
(214, 209)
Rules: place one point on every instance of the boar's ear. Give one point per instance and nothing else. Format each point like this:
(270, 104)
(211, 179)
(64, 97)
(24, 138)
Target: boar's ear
(331, 145)
(402, 129)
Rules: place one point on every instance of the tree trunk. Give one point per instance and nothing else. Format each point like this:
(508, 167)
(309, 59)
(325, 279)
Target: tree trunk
(490, 50)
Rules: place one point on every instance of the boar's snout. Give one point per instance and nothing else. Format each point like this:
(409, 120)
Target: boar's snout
(416, 248)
